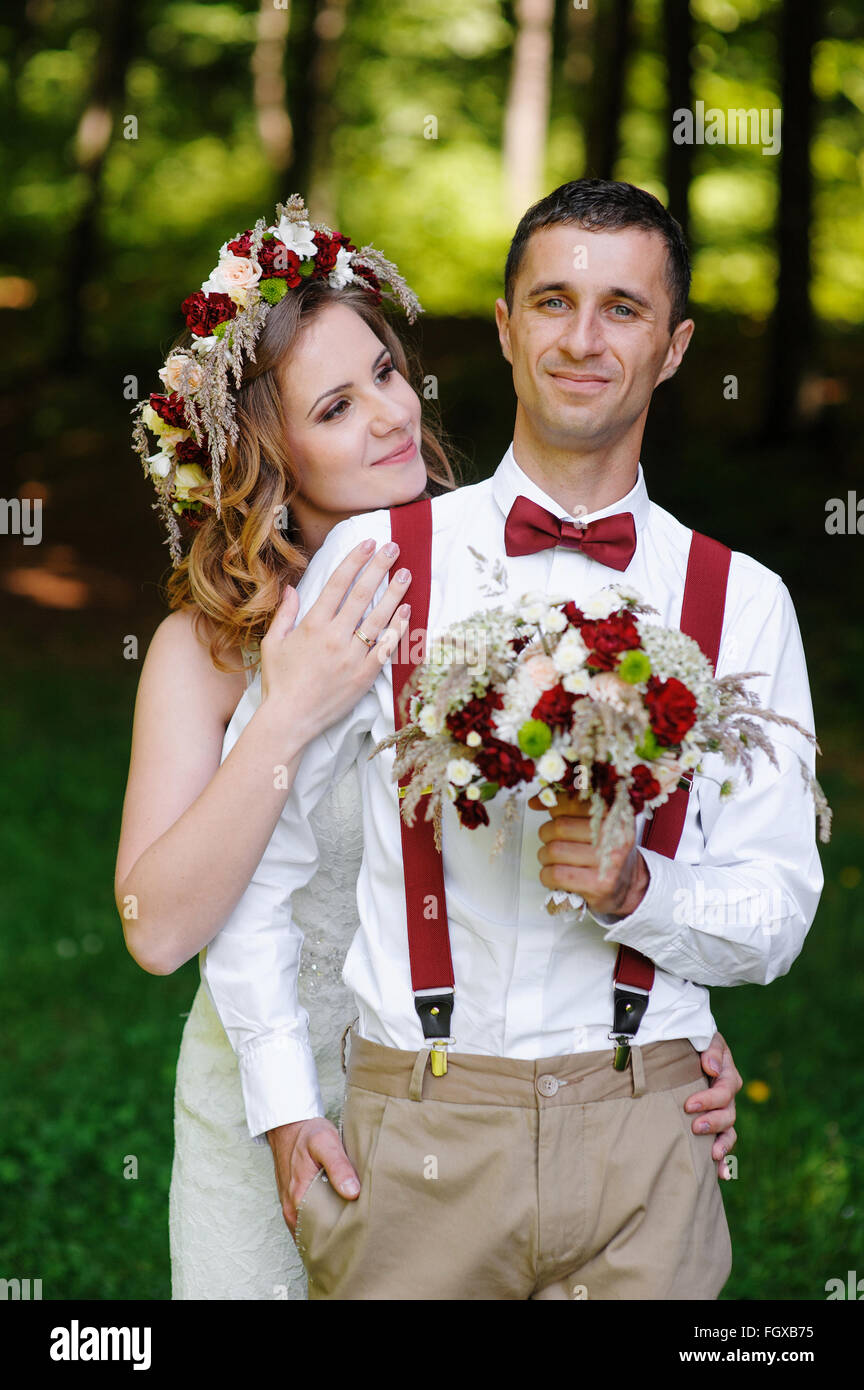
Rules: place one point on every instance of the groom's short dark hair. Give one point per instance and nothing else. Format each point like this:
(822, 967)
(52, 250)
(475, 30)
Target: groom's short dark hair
(601, 205)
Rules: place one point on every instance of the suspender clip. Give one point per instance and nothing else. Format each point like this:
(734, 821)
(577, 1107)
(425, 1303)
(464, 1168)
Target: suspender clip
(435, 1009)
(630, 1005)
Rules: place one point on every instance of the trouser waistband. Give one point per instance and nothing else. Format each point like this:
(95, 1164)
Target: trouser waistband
(470, 1079)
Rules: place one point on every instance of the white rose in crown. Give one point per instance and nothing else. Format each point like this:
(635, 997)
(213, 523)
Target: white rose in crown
(179, 371)
(234, 276)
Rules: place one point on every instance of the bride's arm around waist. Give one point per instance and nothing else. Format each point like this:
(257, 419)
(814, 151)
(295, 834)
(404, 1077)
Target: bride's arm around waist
(193, 829)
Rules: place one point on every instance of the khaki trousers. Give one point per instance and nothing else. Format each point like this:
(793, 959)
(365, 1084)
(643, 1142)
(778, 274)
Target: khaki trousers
(513, 1179)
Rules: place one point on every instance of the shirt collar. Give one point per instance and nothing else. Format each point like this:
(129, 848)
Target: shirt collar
(509, 482)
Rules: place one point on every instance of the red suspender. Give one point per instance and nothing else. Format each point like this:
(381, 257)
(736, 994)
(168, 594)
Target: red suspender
(425, 900)
(426, 904)
(701, 618)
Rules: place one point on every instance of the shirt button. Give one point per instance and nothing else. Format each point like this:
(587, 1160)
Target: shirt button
(547, 1085)
(580, 1037)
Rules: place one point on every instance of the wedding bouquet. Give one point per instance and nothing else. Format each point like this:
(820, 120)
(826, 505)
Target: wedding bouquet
(595, 701)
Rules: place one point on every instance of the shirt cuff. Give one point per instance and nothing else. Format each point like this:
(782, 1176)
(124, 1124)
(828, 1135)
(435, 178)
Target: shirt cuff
(280, 1084)
(649, 927)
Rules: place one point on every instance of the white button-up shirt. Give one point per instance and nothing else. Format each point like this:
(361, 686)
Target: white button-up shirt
(733, 907)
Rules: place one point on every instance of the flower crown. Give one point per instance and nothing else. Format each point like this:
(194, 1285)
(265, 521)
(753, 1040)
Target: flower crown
(195, 421)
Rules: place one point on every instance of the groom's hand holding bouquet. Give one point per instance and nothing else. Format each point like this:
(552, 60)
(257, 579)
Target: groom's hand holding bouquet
(571, 860)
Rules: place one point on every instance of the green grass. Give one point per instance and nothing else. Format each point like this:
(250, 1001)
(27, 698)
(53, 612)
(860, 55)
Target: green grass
(91, 1041)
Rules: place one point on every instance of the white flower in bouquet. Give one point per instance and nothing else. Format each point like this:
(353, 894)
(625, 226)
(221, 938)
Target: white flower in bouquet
(601, 604)
(460, 771)
(554, 621)
(429, 721)
(551, 767)
(611, 690)
(541, 671)
(570, 653)
(672, 653)
(532, 608)
(667, 770)
(577, 683)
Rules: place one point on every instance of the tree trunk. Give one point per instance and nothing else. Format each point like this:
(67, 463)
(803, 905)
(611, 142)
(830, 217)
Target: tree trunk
(791, 334)
(526, 117)
(268, 87)
(329, 25)
(678, 37)
(574, 34)
(116, 47)
(612, 39)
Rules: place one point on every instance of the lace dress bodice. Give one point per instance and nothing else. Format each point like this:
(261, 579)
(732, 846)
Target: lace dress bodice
(228, 1236)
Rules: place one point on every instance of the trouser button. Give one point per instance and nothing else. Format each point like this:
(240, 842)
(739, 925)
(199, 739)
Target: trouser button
(547, 1085)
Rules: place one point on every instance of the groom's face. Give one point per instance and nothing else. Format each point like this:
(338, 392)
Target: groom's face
(588, 333)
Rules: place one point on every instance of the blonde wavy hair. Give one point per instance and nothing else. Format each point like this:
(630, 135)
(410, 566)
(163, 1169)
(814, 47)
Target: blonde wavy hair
(237, 565)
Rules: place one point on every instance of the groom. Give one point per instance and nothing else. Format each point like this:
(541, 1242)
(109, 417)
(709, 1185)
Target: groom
(531, 1168)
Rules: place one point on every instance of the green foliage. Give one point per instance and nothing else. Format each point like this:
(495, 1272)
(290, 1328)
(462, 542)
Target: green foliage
(415, 163)
(91, 1041)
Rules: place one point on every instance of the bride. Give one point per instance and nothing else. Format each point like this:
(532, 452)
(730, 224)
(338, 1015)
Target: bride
(288, 408)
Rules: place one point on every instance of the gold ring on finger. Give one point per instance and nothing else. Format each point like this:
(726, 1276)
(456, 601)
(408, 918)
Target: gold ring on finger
(370, 641)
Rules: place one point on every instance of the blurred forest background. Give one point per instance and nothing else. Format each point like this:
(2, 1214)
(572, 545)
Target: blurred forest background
(139, 137)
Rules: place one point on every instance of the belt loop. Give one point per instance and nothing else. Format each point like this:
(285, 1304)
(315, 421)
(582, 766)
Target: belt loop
(415, 1087)
(637, 1068)
(345, 1033)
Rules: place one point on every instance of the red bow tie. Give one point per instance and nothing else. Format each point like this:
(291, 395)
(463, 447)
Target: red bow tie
(611, 540)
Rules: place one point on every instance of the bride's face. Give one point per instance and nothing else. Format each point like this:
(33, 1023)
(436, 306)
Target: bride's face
(353, 423)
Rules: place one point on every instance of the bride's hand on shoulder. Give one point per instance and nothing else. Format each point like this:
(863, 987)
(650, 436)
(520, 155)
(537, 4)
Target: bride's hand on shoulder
(319, 668)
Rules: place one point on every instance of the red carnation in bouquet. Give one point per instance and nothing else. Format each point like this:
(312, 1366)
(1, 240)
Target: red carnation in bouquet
(645, 787)
(607, 638)
(604, 780)
(500, 762)
(555, 707)
(475, 717)
(672, 709)
(471, 813)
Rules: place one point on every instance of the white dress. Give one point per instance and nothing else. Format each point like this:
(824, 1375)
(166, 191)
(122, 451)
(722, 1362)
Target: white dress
(227, 1234)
